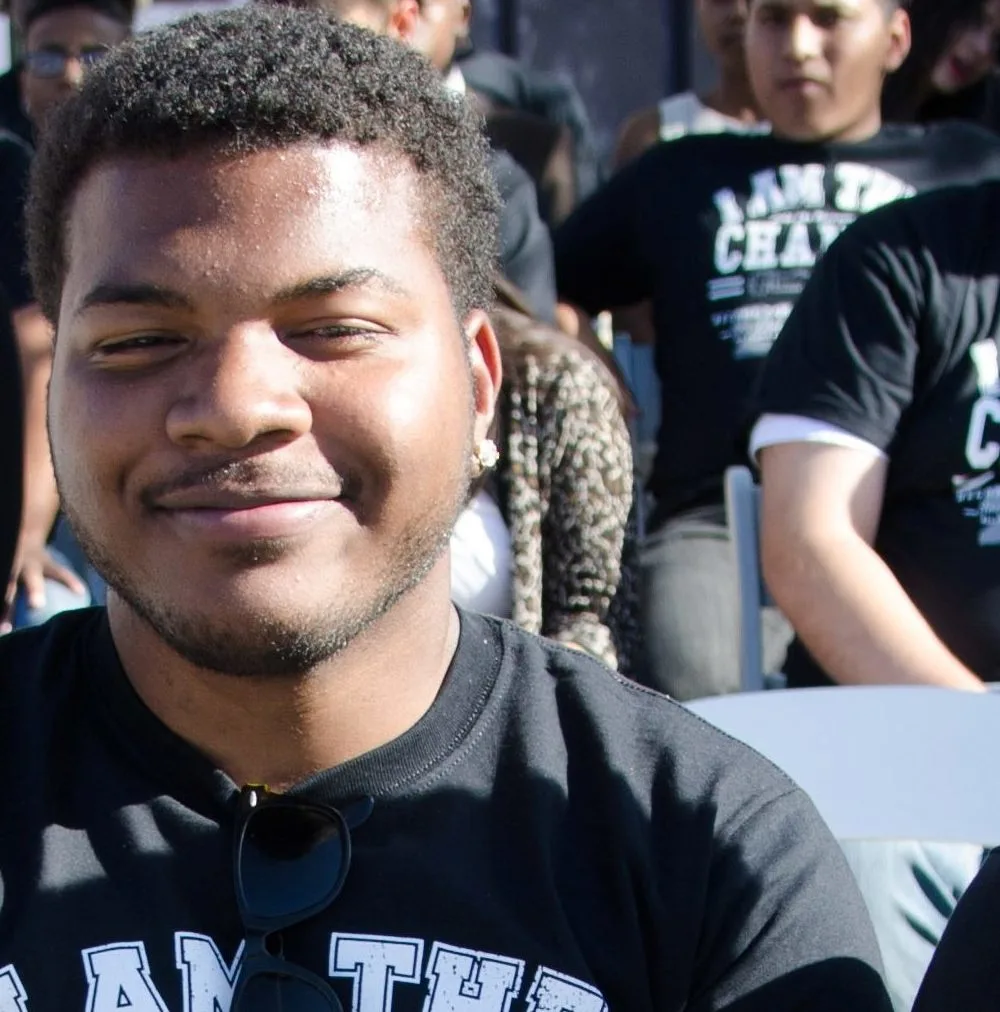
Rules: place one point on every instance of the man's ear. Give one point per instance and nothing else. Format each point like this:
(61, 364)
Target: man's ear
(483, 350)
(900, 40)
(404, 21)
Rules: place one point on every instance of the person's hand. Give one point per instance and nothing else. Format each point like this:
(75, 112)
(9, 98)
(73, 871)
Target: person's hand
(33, 565)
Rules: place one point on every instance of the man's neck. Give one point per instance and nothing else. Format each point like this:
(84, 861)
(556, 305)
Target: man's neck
(278, 731)
(863, 131)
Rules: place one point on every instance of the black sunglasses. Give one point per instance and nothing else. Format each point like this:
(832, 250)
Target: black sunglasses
(290, 862)
(50, 63)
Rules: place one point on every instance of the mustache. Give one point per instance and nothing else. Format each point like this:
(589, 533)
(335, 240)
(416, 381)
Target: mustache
(254, 477)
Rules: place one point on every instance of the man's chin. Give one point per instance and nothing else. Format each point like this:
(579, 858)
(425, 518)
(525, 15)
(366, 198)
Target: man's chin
(236, 638)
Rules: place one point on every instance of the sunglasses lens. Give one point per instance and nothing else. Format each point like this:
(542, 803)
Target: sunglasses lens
(268, 992)
(293, 858)
(46, 64)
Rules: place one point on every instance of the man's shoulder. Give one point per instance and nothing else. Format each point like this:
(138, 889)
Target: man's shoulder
(936, 154)
(48, 654)
(639, 732)
(941, 228)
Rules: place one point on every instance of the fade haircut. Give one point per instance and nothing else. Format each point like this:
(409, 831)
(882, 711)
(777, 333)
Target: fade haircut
(259, 78)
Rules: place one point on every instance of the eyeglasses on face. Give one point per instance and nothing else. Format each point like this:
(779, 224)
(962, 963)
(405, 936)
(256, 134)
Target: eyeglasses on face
(291, 858)
(52, 61)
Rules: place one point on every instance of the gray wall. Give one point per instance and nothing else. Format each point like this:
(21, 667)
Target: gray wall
(615, 50)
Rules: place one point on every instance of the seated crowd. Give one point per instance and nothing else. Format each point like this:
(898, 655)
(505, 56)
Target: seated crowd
(299, 354)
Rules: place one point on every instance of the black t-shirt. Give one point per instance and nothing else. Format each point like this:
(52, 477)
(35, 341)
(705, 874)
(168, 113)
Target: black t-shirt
(548, 837)
(964, 973)
(15, 169)
(722, 233)
(895, 340)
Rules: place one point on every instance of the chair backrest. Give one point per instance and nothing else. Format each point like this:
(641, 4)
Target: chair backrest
(880, 762)
(743, 520)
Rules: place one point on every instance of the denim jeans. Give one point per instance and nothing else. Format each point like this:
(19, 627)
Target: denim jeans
(911, 889)
(690, 608)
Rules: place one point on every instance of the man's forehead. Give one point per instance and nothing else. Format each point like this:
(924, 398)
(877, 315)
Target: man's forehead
(302, 174)
(805, 6)
(237, 215)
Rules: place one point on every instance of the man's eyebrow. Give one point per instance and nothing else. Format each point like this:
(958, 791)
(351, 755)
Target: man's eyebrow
(138, 294)
(143, 294)
(331, 284)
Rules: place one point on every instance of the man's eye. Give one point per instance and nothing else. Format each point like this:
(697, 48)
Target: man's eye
(335, 331)
(827, 19)
(139, 343)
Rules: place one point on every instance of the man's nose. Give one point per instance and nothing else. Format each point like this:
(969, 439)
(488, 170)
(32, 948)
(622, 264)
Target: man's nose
(243, 390)
(73, 74)
(804, 41)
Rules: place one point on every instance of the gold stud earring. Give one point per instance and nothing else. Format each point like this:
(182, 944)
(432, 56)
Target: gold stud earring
(485, 457)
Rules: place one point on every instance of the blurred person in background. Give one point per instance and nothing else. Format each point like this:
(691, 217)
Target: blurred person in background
(545, 539)
(61, 39)
(951, 72)
(730, 105)
(879, 415)
(540, 118)
(88, 25)
(722, 233)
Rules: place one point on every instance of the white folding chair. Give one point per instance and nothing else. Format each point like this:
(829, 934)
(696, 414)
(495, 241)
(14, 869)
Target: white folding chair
(880, 762)
(743, 520)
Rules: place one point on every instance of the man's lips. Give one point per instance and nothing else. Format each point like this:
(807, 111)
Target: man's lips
(802, 84)
(229, 499)
(245, 514)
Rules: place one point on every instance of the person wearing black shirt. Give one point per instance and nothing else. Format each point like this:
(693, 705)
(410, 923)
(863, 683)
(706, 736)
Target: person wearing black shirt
(880, 412)
(722, 233)
(272, 385)
(881, 509)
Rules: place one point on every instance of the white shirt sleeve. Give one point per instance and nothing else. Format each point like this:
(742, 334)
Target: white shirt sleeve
(772, 430)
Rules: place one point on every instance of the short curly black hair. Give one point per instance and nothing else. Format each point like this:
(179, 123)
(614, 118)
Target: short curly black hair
(259, 78)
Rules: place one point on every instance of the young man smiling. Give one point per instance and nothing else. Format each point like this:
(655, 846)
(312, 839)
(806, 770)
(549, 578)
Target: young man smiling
(722, 234)
(266, 241)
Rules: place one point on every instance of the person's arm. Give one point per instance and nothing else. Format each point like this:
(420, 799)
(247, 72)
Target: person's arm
(819, 516)
(33, 338)
(589, 474)
(32, 563)
(600, 262)
(964, 975)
